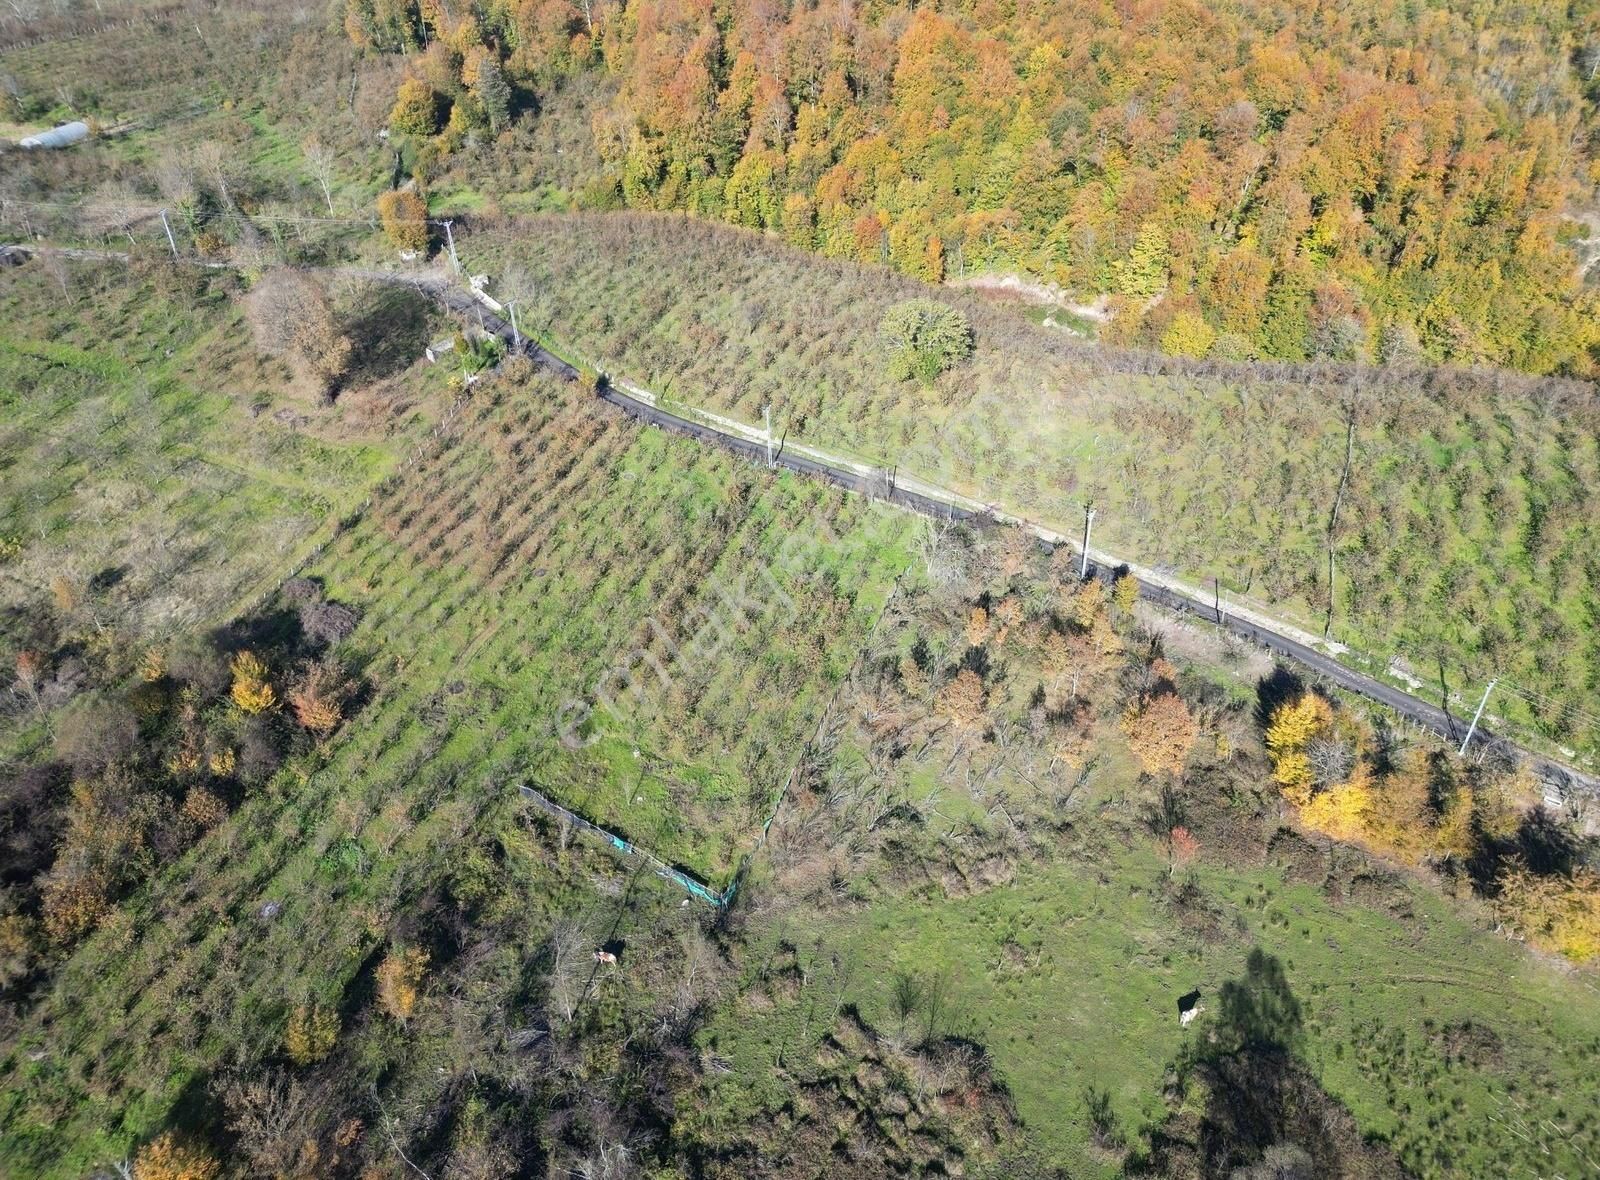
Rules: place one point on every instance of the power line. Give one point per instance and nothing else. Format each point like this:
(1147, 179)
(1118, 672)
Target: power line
(1541, 701)
(153, 211)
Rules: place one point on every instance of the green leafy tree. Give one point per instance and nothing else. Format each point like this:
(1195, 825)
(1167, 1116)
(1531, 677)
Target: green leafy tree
(924, 339)
(1143, 273)
(494, 93)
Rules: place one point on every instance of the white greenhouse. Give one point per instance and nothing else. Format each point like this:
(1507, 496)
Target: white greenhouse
(63, 136)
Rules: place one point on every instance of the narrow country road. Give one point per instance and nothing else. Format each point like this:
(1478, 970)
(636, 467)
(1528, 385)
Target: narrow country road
(1561, 782)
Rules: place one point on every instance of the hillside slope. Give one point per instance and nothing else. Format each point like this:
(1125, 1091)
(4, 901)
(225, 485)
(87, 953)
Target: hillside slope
(1462, 543)
(1344, 180)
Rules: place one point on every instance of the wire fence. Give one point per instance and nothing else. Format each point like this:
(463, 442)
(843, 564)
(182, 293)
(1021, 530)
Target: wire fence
(690, 883)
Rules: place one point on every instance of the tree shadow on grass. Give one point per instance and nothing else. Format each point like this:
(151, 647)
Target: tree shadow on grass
(1276, 688)
(390, 329)
(1260, 1112)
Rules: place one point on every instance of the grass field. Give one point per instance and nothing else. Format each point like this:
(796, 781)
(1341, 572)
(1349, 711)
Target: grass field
(1463, 544)
(1069, 977)
(1022, 894)
(164, 481)
(498, 580)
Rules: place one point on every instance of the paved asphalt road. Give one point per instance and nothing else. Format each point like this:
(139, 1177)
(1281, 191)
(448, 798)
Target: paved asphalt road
(1563, 781)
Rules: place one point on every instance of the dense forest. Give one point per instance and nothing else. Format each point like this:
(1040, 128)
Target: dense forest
(1290, 180)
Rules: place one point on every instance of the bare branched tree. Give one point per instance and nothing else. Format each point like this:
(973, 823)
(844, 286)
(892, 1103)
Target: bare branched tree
(320, 158)
(293, 318)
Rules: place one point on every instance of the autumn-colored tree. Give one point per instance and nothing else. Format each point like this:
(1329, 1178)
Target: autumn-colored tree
(1304, 190)
(1008, 613)
(153, 666)
(1125, 593)
(74, 899)
(17, 950)
(64, 593)
(961, 700)
(416, 109)
(1087, 602)
(912, 676)
(1342, 812)
(1188, 335)
(311, 1033)
(1556, 911)
(204, 808)
(252, 692)
(168, 1158)
(1182, 846)
(1293, 726)
(1143, 273)
(399, 979)
(30, 665)
(405, 219)
(977, 627)
(318, 699)
(1161, 732)
(293, 318)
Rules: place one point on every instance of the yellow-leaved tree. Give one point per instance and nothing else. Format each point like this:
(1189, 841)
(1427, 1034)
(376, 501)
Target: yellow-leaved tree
(1557, 912)
(1086, 604)
(166, 1158)
(1293, 726)
(1344, 811)
(311, 1034)
(1125, 593)
(251, 690)
(399, 979)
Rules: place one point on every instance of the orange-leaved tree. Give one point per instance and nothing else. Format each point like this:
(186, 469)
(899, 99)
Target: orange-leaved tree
(405, 220)
(318, 699)
(168, 1158)
(1161, 732)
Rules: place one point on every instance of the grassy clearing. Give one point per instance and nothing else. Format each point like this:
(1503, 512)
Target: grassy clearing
(1008, 873)
(1429, 1030)
(1464, 541)
(167, 477)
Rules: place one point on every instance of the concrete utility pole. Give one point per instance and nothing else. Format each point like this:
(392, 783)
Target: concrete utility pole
(766, 414)
(455, 263)
(170, 240)
(516, 336)
(1473, 728)
(1088, 526)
